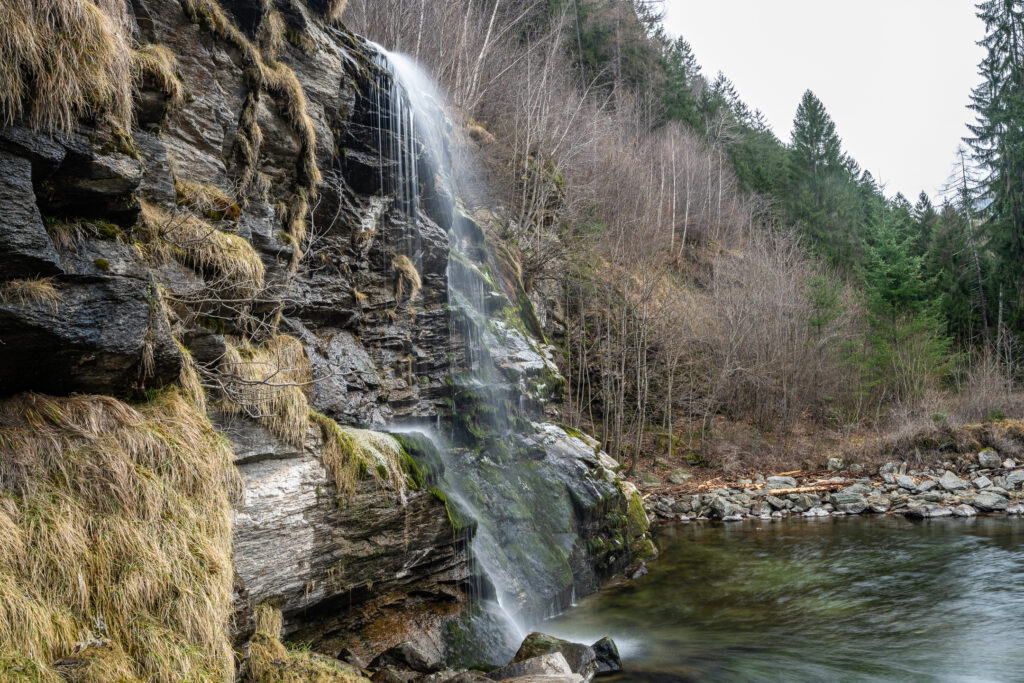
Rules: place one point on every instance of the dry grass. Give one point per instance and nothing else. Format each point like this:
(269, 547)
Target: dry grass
(116, 525)
(160, 64)
(350, 453)
(61, 60)
(280, 81)
(208, 201)
(335, 8)
(30, 292)
(408, 277)
(271, 37)
(270, 662)
(231, 263)
(268, 383)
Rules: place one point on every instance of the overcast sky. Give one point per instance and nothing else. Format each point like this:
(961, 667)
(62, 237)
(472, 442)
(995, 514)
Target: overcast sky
(895, 75)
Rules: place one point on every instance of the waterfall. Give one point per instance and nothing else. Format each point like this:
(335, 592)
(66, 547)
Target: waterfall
(521, 481)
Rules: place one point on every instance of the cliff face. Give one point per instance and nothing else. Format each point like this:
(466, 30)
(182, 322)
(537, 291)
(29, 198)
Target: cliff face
(250, 201)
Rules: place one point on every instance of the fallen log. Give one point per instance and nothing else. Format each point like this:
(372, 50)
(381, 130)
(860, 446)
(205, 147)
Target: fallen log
(816, 488)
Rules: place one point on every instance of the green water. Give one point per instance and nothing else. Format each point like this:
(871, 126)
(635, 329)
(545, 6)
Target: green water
(838, 599)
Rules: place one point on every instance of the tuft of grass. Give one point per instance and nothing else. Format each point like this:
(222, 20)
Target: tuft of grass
(348, 454)
(408, 277)
(280, 81)
(271, 662)
(61, 60)
(335, 8)
(231, 263)
(115, 526)
(29, 292)
(272, 35)
(267, 382)
(160, 64)
(208, 201)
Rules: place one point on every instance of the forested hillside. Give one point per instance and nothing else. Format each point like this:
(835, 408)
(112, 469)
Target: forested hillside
(716, 281)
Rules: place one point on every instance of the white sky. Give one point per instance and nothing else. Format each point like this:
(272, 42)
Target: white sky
(895, 75)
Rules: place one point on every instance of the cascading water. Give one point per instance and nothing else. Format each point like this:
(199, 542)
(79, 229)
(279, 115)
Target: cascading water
(527, 498)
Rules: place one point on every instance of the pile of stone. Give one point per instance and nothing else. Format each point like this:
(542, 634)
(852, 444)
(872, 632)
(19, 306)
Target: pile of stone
(989, 485)
(540, 658)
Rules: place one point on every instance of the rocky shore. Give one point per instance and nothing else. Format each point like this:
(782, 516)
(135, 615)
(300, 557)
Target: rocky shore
(983, 484)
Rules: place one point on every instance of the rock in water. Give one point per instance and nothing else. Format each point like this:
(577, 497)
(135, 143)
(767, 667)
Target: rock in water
(581, 658)
(607, 653)
(989, 459)
(963, 511)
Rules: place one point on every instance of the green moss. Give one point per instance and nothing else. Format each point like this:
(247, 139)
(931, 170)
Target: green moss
(102, 263)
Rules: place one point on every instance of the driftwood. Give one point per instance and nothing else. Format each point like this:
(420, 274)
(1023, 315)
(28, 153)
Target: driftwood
(815, 488)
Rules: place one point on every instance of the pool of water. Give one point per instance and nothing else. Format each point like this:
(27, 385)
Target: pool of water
(836, 599)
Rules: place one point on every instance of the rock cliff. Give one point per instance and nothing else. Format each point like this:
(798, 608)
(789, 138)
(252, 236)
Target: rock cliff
(250, 201)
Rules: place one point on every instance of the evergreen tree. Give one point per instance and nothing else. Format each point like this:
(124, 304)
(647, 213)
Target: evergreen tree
(822, 196)
(681, 69)
(908, 349)
(998, 143)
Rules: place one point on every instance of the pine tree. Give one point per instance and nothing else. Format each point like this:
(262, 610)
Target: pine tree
(998, 143)
(822, 195)
(908, 349)
(681, 69)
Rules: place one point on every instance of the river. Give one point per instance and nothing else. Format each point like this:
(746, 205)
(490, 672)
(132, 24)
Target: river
(834, 599)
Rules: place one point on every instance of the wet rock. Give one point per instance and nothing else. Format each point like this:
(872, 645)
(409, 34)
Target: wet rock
(963, 510)
(25, 248)
(581, 658)
(816, 512)
(951, 482)
(103, 336)
(989, 459)
(606, 653)
(989, 502)
(551, 666)
(773, 483)
(408, 657)
(1017, 509)
(849, 502)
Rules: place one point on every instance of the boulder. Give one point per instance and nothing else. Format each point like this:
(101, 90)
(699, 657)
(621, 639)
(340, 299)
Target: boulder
(679, 476)
(648, 479)
(982, 482)
(906, 482)
(406, 656)
(101, 336)
(25, 249)
(722, 508)
(1015, 479)
(963, 510)
(834, 464)
(951, 482)
(552, 667)
(989, 459)
(607, 656)
(989, 502)
(581, 658)
(773, 483)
